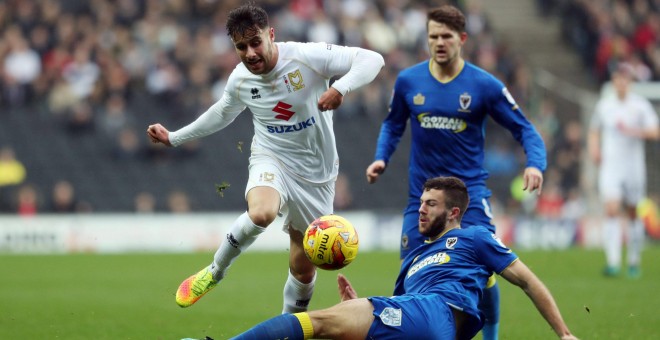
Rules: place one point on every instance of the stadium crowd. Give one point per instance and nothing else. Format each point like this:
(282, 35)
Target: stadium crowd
(95, 68)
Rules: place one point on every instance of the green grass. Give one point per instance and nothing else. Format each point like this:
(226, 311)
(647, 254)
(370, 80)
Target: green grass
(132, 296)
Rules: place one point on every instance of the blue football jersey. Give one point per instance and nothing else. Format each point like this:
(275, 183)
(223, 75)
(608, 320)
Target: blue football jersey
(456, 266)
(448, 122)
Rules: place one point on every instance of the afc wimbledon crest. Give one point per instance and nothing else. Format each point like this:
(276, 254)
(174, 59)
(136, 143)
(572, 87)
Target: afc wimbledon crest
(465, 100)
(451, 242)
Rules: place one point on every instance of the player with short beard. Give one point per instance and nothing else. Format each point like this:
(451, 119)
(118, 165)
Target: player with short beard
(438, 288)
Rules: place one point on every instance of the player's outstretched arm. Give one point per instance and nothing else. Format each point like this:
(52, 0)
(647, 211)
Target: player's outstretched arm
(520, 275)
(374, 170)
(159, 134)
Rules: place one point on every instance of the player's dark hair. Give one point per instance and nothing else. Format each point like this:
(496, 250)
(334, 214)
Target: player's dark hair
(448, 15)
(246, 18)
(456, 194)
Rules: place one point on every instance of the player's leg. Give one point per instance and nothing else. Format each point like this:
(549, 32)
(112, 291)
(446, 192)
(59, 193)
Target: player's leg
(479, 213)
(612, 238)
(263, 205)
(264, 195)
(610, 187)
(347, 320)
(634, 193)
(306, 203)
(635, 241)
(299, 286)
(490, 306)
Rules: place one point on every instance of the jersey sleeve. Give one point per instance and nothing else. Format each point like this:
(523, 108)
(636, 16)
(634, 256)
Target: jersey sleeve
(356, 66)
(394, 124)
(491, 251)
(217, 117)
(596, 121)
(650, 117)
(506, 112)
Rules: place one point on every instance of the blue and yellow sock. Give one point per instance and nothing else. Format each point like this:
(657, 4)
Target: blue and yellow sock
(490, 306)
(286, 326)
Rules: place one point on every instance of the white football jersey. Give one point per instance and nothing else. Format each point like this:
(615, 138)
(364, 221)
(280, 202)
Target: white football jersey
(288, 125)
(622, 153)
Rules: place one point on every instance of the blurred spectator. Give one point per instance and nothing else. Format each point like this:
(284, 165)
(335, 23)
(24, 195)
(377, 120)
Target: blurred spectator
(21, 67)
(12, 171)
(178, 202)
(144, 202)
(27, 200)
(63, 198)
(82, 72)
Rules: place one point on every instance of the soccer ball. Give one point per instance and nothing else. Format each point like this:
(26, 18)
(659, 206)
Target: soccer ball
(331, 242)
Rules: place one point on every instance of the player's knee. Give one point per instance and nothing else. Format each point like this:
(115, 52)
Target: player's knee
(262, 217)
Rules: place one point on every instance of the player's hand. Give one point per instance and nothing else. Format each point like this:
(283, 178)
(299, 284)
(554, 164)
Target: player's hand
(330, 99)
(533, 180)
(346, 291)
(374, 170)
(159, 134)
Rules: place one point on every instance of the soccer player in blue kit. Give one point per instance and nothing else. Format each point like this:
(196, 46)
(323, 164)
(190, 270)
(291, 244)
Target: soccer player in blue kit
(447, 101)
(437, 290)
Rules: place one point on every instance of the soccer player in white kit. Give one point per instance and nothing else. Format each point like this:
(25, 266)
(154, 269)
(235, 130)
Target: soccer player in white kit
(620, 125)
(293, 160)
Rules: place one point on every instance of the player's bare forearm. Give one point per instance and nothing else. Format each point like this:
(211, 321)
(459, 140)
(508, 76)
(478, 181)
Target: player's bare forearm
(520, 275)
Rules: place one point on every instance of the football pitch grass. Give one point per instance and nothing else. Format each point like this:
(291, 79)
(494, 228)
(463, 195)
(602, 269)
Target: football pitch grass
(132, 296)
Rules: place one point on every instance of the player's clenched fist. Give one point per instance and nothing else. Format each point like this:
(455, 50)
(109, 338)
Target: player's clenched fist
(159, 134)
(374, 170)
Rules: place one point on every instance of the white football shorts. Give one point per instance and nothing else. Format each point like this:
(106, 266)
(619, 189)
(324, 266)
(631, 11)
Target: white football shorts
(302, 202)
(623, 187)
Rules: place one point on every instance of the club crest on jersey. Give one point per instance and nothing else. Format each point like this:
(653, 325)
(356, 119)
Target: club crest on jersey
(296, 80)
(451, 242)
(255, 93)
(419, 99)
(465, 100)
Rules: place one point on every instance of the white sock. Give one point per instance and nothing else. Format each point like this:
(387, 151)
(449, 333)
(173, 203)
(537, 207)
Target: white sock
(241, 235)
(635, 242)
(612, 239)
(297, 295)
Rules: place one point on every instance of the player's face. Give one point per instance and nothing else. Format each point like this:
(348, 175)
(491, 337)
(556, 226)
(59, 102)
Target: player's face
(432, 213)
(445, 44)
(621, 83)
(257, 50)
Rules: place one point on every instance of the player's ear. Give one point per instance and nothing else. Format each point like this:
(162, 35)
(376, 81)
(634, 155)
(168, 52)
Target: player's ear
(455, 213)
(271, 34)
(463, 36)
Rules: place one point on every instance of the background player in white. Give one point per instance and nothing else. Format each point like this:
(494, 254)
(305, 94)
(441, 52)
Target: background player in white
(293, 161)
(620, 125)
